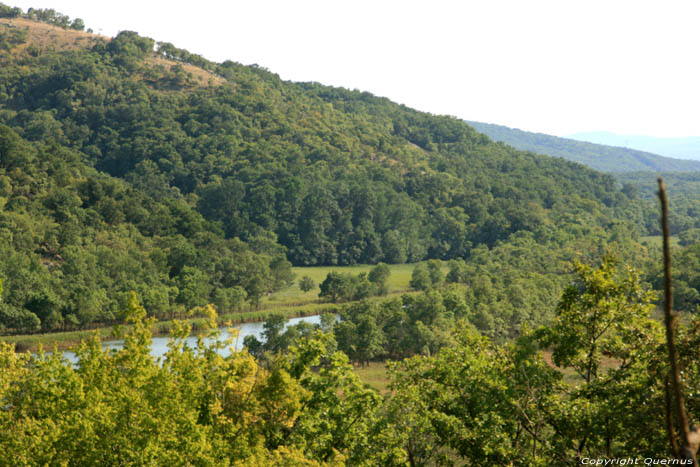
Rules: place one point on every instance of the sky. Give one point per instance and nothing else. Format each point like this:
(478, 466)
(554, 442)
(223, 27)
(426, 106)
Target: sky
(556, 67)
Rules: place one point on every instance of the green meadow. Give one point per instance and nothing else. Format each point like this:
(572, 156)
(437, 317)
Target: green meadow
(374, 375)
(293, 296)
(291, 302)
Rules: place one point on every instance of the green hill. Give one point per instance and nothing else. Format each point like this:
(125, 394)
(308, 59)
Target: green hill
(128, 169)
(139, 184)
(596, 156)
(682, 148)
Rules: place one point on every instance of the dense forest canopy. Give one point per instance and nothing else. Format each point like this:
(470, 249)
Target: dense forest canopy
(212, 183)
(338, 177)
(139, 180)
(459, 398)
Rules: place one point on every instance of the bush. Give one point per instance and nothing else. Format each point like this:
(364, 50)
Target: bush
(306, 283)
(420, 278)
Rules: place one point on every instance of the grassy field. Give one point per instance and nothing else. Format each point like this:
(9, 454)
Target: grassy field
(53, 38)
(570, 376)
(398, 283)
(291, 302)
(657, 240)
(374, 375)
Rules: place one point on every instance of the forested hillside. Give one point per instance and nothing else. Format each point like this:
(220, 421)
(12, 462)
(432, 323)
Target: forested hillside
(338, 177)
(679, 147)
(208, 183)
(597, 156)
(140, 182)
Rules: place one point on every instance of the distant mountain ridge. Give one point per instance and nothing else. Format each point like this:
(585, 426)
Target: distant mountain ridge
(682, 148)
(596, 156)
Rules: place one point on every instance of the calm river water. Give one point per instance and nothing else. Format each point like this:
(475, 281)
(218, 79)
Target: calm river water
(159, 346)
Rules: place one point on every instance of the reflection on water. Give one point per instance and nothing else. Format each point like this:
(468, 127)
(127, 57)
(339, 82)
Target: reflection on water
(159, 345)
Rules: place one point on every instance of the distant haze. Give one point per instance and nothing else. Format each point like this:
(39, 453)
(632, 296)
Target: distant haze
(549, 66)
(608, 158)
(681, 148)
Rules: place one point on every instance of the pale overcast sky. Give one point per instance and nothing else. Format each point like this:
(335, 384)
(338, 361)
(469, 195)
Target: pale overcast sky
(556, 67)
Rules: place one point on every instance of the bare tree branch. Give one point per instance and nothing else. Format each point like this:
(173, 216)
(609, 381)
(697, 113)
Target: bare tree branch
(689, 449)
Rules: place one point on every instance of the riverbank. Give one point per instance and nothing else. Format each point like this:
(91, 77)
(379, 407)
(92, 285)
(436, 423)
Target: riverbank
(68, 339)
(291, 303)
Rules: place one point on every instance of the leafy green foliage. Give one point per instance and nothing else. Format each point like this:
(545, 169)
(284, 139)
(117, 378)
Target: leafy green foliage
(48, 15)
(121, 179)
(211, 192)
(476, 402)
(606, 315)
(598, 316)
(76, 241)
(339, 286)
(336, 177)
(379, 275)
(684, 211)
(421, 278)
(465, 400)
(684, 202)
(306, 284)
(347, 287)
(193, 407)
(399, 327)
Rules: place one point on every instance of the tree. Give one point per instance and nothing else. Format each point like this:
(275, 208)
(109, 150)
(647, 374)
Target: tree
(458, 272)
(128, 48)
(272, 333)
(600, 314)
(229, 298)
(332, 286)
(378, 276)
(420, 278)
(9, 12)
(21, 321)
(282, 274)
(394, 247)
(476, 402)
(306, 284)
(605, 315)
(78, 24)
(193, 288)
(435, 272)
(358, 333)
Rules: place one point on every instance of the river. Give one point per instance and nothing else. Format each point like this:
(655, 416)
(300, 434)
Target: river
(159, 345)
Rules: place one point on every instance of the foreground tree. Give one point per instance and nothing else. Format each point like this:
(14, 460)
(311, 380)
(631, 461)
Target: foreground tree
(193, 407)
(476, 403)
(603, 330)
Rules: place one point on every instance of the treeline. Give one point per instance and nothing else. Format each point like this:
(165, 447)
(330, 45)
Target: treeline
(466, 401)
(49, 16)
(684, 201)
(209, 193)
(337, 177)
(338, 286)
(75, 242)
(601, 157)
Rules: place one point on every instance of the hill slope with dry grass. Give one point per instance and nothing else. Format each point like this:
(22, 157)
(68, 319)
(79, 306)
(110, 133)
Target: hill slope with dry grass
(27, 37)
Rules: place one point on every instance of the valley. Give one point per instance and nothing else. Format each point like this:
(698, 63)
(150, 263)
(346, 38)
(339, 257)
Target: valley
(480, 295)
